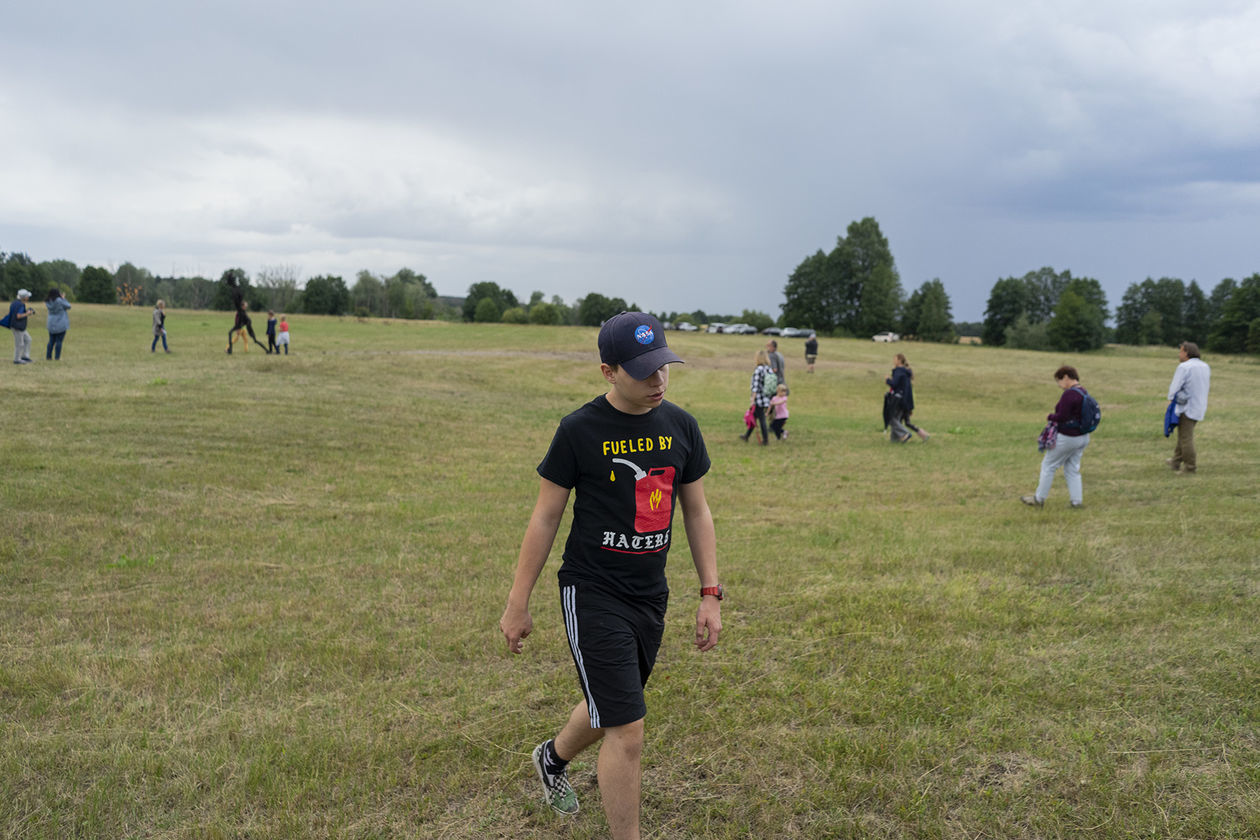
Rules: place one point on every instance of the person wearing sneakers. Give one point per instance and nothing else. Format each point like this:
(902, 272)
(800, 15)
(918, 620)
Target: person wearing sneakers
(16, 320)
(627, 455)
(760, 399)
(901, 385)
(1188, 394)
(1067, 442)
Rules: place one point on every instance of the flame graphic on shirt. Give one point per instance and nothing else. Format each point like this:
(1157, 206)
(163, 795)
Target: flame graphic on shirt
(654, 499)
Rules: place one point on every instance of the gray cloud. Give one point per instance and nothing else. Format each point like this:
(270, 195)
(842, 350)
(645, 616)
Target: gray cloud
(680, 156)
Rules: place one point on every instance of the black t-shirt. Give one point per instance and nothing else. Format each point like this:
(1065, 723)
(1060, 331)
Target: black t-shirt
(626, 469)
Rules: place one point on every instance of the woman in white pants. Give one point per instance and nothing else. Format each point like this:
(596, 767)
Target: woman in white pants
(1070, 441)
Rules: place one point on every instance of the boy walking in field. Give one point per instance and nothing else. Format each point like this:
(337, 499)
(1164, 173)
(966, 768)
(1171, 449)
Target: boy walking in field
(628, 454)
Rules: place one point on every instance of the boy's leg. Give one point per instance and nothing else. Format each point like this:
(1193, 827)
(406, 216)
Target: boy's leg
(619, 778)
(577, 734)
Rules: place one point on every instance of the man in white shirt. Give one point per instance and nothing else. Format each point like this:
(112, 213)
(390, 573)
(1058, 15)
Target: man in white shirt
(1189, 395)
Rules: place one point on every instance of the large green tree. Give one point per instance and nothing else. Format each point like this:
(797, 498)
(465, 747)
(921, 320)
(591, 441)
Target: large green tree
(1008, 299)
(854, 288)
(325, 295)
(927, 315)
(1036, 297)
(1152, 312)
(96, 285)
(880, 306)
(1078, 320)
(503, 298)
(809, 299)
(594, 309)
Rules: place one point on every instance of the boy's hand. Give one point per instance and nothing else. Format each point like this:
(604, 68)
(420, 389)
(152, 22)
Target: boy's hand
(516, 624)
(708, 624)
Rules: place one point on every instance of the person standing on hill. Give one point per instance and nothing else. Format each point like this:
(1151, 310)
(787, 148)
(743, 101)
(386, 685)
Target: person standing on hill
(159, 327)
(58, 323)
(627, 455)
(16, 320)
(776, 361)
(271, 333)
(1188, 398)
(811, 352)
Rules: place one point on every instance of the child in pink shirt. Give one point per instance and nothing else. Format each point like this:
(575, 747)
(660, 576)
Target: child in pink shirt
(779, 403)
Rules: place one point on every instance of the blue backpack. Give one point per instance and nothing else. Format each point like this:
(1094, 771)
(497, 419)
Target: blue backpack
(1091, 414)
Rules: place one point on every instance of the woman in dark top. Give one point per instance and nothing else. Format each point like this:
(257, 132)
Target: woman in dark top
(901, 403)
(1069, 441)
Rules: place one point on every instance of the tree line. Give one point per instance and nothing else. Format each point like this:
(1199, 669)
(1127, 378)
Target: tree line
(1168, 311)
(852, 290)
(405, 294)
(1045, 310)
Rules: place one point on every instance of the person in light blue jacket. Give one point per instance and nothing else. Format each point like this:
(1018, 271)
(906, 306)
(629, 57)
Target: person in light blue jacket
(58, 322)
(1188, 397)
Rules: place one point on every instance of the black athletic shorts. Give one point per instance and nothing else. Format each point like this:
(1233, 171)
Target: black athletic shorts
(614, 644)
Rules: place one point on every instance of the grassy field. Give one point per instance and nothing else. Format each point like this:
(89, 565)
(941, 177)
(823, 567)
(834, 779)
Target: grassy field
(257, 597)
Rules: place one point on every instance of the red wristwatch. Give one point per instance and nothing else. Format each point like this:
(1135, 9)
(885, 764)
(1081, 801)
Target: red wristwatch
(716, 591)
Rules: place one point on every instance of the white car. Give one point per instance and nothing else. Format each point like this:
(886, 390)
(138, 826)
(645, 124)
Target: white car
(686, 326)
(886, 337)
(716, 327)
(793, 332)
(740, 329)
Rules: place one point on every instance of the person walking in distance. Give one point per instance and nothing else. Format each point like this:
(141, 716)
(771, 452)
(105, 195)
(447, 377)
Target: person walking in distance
(628, 456)
(159, 327)
(760, 399)
(776, 361)
(1188, 394)
(58, 323)
(811, 352)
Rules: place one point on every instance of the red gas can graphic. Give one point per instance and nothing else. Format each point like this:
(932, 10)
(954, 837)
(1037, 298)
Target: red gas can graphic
(653, 497)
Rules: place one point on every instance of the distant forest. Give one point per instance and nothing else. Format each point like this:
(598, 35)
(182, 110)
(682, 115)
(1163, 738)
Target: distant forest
(852, 290)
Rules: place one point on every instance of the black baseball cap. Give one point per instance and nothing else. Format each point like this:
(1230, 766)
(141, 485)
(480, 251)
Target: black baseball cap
(636, 342)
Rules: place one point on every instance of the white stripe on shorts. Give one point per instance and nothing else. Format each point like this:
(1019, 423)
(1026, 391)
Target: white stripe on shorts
(568, 596)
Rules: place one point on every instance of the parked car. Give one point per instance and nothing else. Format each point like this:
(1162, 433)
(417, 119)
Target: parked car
(686, 326)
(793, 332)
(886, 336)
(740, 329)
(771, 331)
(716, 327)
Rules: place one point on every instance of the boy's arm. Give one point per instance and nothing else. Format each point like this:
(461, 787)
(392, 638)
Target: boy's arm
(703, 540)
(544, 522)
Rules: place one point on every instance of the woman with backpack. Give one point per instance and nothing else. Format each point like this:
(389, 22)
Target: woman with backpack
(761, 399)
(1064, 439)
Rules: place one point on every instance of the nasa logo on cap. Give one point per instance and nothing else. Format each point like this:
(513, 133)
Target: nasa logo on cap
(644, 334)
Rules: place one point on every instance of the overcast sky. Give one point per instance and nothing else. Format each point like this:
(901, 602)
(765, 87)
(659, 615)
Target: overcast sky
(679, 155)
